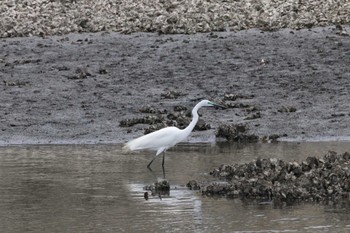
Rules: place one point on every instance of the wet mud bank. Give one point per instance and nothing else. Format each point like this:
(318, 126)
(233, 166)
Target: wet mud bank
(87, 87)
(317, 179)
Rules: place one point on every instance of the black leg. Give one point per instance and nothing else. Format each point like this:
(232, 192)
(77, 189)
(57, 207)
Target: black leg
(163, 165)
(148, 166)
(163, 173)
(163, 160)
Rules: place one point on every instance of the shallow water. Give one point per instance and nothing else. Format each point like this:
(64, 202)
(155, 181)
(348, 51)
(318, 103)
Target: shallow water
(100, 189)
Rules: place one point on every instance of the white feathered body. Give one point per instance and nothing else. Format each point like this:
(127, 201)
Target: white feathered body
(159, 140)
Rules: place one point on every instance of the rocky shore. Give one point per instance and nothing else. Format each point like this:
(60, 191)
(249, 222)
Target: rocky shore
(57, 17)
(325, 179)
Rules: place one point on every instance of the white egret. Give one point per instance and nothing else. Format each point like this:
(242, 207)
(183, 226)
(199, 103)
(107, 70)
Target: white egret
(163, 139)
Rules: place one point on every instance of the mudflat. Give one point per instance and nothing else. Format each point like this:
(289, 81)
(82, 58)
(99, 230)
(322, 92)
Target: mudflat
(78, 87)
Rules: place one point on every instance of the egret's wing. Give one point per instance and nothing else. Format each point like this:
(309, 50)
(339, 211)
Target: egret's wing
(163, 138)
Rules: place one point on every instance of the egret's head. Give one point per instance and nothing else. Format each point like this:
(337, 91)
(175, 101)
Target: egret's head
(207, 103)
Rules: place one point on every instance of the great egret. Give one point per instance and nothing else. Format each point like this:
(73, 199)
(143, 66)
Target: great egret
(163, 139)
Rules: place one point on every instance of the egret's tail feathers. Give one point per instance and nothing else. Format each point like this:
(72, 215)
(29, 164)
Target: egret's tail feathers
(135, 144)
(131, 146)
(126, 148)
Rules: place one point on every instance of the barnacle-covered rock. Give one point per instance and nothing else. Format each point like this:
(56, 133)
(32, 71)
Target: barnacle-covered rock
(233, 97)
(159, 188)
(151, 119)
(287, 109)
(236, 133)
(180, 108)
(315, 179)
(171, 94)
(193, 185)
(154, 127)
(152, 110)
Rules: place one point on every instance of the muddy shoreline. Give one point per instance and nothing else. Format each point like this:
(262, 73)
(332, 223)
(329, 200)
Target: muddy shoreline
(77, 88)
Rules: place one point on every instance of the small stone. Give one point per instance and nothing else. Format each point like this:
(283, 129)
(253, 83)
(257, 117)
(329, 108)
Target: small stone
(171, 94)
(179, 108)
(162, 185)
(287, 109)
(193, 185)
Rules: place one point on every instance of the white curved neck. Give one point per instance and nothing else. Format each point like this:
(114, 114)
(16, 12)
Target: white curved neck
(194, 121)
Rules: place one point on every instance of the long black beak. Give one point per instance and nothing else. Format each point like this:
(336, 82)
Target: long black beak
(218, 105)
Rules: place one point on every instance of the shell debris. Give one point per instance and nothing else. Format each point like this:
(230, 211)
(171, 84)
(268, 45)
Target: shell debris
(47, 17)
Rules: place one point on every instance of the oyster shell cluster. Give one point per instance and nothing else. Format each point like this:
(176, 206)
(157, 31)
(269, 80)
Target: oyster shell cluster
(236, 133)
(315, 179)
(53, 17)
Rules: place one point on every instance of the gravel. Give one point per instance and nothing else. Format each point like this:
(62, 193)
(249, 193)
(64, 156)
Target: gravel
(57, 17)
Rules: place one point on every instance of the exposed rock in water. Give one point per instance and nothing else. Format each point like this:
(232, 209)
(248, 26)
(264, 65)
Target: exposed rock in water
(162, 185)
(193, 185)
(160, 188)
(315, 179)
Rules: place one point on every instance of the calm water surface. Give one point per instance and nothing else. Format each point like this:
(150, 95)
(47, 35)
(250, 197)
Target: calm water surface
(100, 189)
